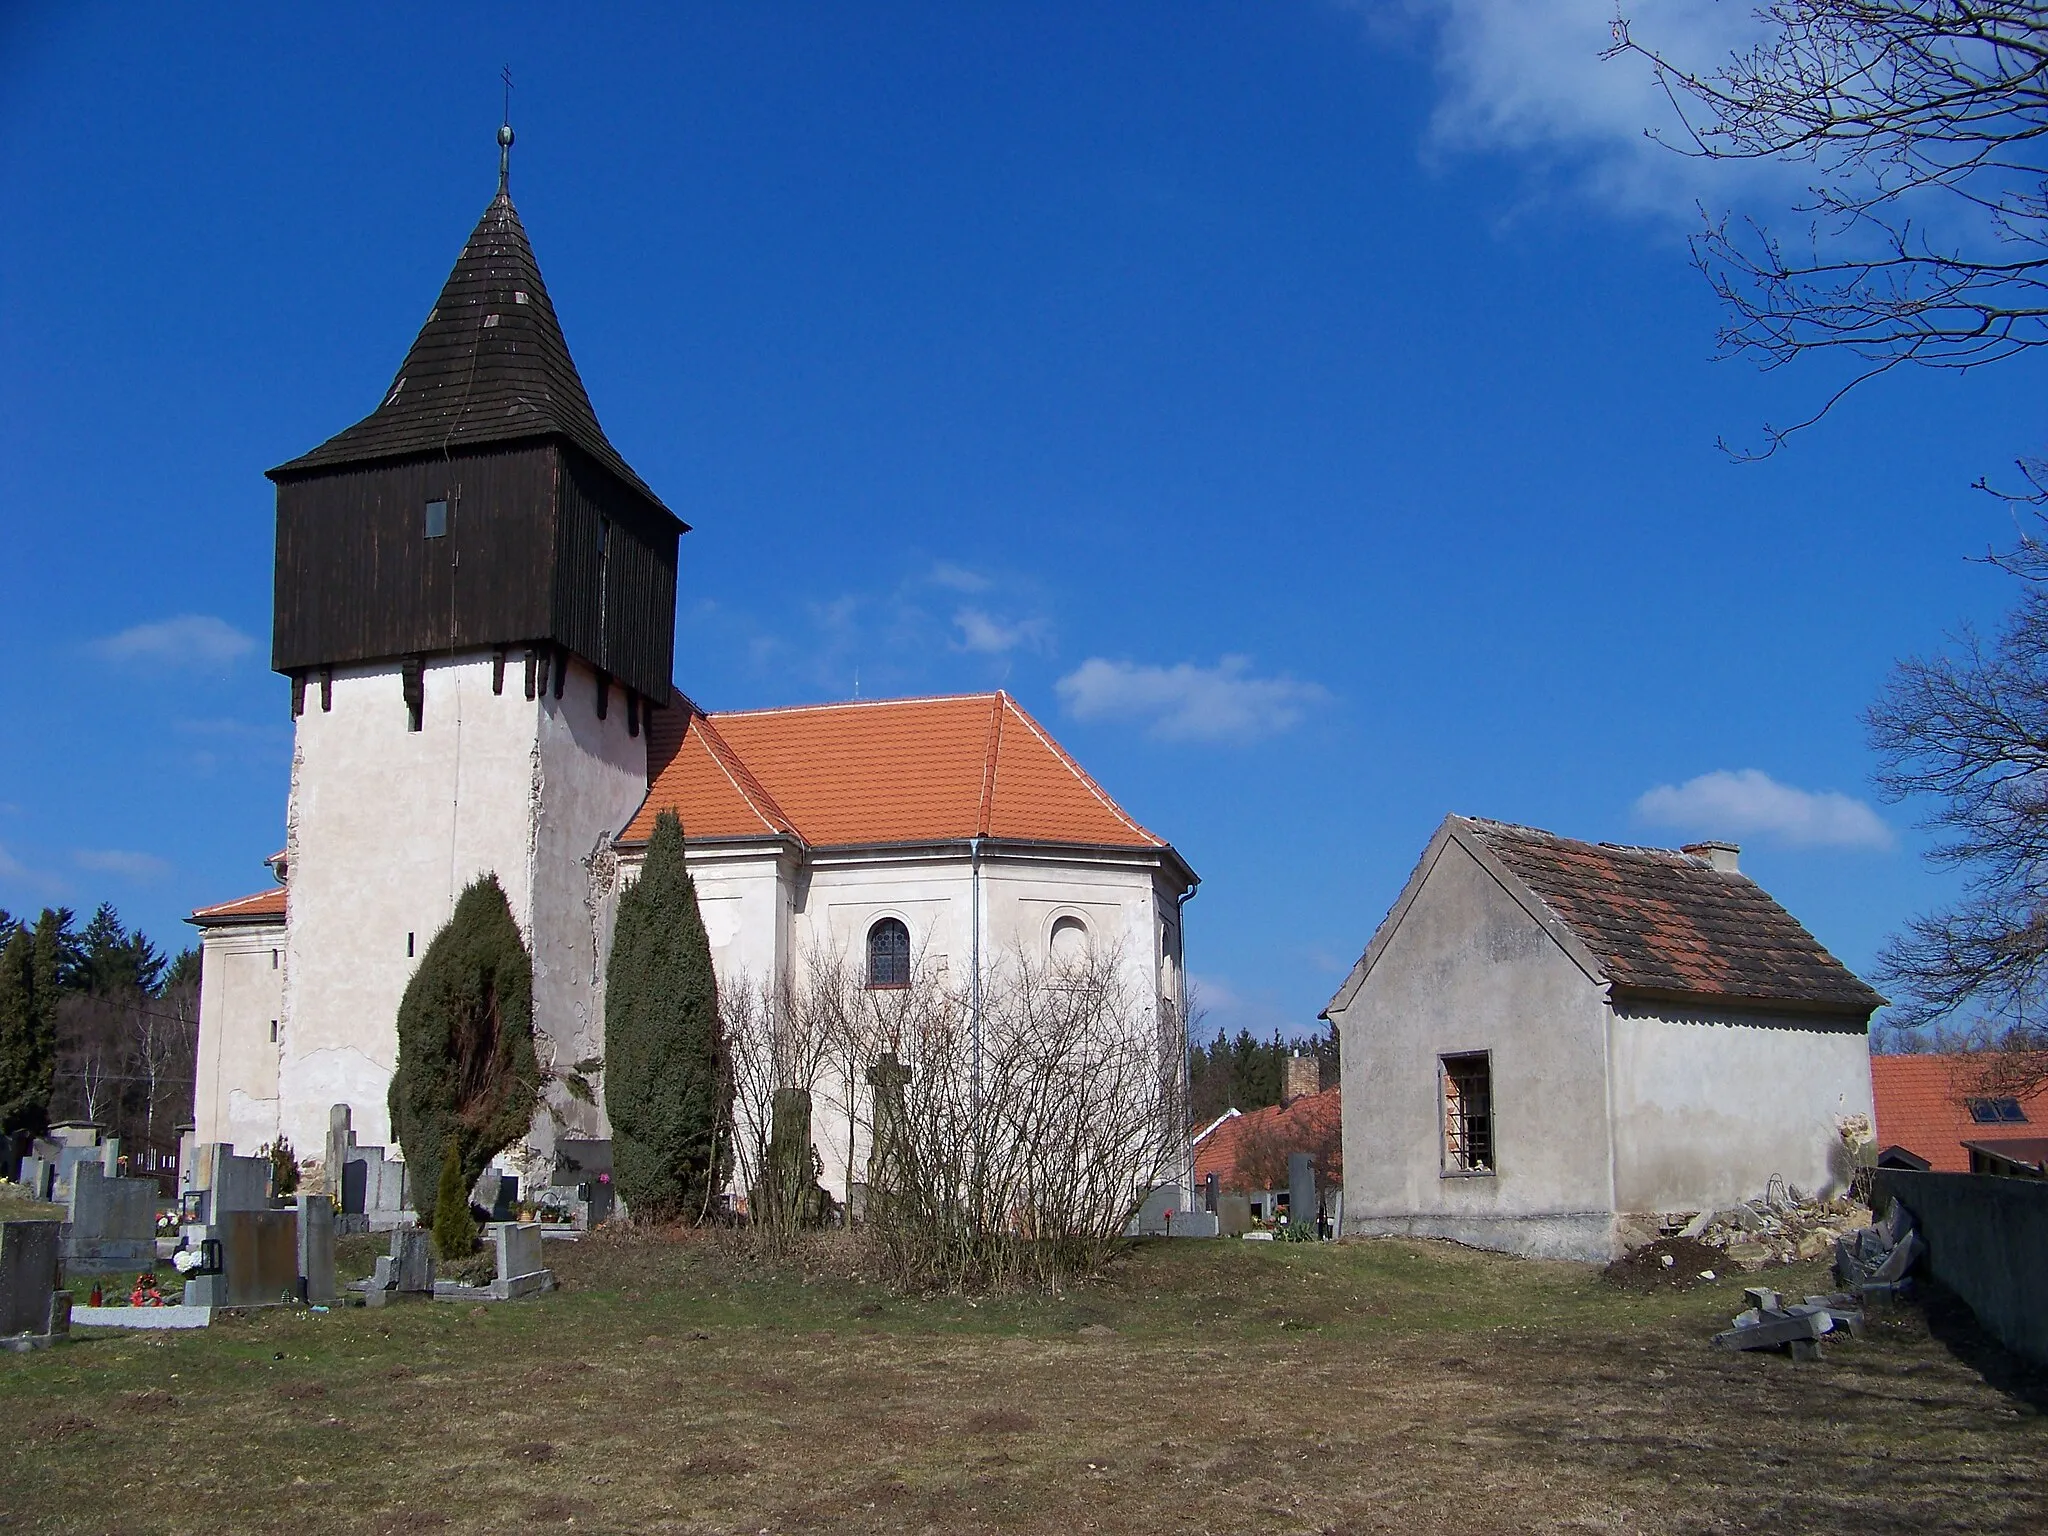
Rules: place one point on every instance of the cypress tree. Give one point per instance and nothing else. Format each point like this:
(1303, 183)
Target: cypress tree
(467, 1077)
(665, 1083)
(28, 1036)
(454, 1227)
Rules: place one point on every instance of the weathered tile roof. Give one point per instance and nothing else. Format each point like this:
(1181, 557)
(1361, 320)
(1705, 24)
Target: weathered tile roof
(1313, 1122)
(266, 906)
(489, 366)
(887, 771)
(1922, 1105)
(1666, 922)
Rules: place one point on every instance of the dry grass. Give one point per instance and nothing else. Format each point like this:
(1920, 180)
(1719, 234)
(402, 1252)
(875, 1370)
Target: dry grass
(1204, 1387)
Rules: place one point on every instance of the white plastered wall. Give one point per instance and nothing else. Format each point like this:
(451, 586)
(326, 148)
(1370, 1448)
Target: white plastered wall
(1708, 1106)
(1470, 969)
(766, 909)
(386, 826)
(241, 994)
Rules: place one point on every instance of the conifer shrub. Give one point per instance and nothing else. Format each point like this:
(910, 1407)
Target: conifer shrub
(454, 1226)
(667, 1090)
(30, 978)
(467, 1077)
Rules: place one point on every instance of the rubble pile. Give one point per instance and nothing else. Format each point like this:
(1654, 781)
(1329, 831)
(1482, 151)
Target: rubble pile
(1771, 1323)
(1779, 1227)
(1876, 1262)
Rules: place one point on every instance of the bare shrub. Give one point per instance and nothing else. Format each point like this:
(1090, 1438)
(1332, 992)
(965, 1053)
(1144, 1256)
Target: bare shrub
(1012, 1127)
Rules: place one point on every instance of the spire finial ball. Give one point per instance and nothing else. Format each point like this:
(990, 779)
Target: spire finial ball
(505, 135)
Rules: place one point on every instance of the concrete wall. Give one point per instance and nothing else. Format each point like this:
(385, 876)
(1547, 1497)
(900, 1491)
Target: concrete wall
(1468, 968)
(1987, 1240)
(1708, 1106)
(241, 993)
(385, 828)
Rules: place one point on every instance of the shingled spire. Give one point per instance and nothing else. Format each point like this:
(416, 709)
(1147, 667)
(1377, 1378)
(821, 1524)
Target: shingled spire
(480, 505)
(489, 366)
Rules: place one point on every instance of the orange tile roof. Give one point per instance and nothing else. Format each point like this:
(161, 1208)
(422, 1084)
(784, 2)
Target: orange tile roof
(263, 907)
(1920, 1107)
(886, 771)
(1312, 1123)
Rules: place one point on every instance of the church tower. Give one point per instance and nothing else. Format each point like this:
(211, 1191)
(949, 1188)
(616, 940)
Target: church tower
(475, 604)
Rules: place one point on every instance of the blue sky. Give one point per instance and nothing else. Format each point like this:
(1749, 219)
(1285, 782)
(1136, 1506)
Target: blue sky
(1308, 411)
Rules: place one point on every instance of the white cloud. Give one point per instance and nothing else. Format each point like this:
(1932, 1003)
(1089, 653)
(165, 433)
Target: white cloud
(122, 861)
(1749, 802)
(190, 640)
(958, 578)
(982, 632)
(1186, 702)
(1528, 77)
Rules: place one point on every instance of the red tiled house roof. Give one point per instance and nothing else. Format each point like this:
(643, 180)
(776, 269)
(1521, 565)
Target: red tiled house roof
(1234, 1149)
(1921, 1106)
(890, 771)
(1667, 923)
(263, 907)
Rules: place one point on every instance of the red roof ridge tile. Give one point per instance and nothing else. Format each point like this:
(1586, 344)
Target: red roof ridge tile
(742, 779)
(798, 709)
(985, 812)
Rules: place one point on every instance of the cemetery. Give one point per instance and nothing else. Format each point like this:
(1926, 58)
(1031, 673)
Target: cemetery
(675, 1382)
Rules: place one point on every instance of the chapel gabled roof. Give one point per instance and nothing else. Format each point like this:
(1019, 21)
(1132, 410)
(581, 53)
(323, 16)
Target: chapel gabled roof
(1658, 923)
(489, 366)
(878, 772)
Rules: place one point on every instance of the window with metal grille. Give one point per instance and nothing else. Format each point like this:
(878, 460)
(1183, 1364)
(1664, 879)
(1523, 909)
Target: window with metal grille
(1468, 1112)
(1997, 1112)
(889, 954)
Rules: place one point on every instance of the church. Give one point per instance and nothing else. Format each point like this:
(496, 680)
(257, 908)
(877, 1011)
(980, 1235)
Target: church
(475, 606)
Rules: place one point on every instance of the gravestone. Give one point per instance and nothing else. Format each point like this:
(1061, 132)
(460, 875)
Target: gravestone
(316, 1249)
(259, 1261)
(113, 1223)
(407, 1272)
(582, 1179)
(38, 1175)
(69, 1160)
(497, 1192)
(1301, 1190)
(1233, 1215)
(520, 1271)
(29, 1253)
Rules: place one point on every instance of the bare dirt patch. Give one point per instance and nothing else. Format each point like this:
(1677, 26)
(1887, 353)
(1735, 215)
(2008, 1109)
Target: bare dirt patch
(1646, 1269)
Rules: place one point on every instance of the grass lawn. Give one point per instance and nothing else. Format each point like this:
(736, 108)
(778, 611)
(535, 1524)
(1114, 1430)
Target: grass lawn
(1361, 1386)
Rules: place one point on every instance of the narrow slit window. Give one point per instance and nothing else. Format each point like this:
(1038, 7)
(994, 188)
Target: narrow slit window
(273, 1031)
(1467, 1083)
(408, 946)
(437, 519)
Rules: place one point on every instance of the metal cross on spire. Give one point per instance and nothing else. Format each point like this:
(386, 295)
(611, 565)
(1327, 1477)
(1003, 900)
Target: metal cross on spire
(505, 136)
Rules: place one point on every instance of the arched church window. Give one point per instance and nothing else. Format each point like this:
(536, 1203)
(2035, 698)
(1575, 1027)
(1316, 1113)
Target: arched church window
(889, 954)
(1069, 942)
